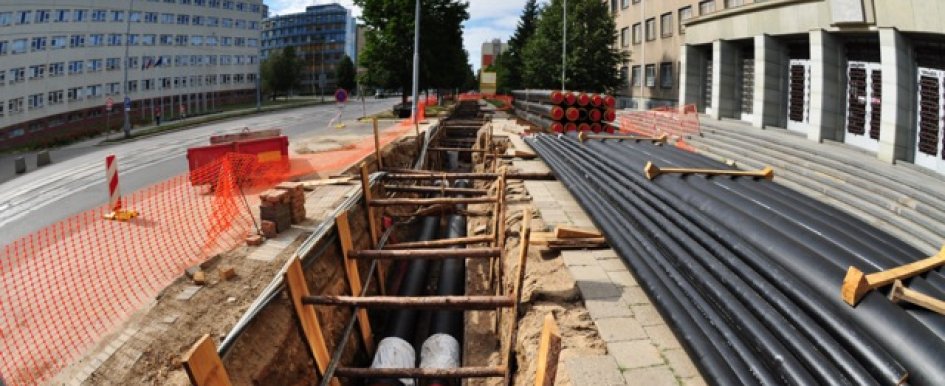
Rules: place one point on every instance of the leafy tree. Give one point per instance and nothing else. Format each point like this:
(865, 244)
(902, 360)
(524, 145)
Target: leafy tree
(345, 73)
(509, 67)
(388, 50)
(281, 71)
(592, 58)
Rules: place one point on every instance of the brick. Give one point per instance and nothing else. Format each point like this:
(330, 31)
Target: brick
(227, 273)
(647, 315)
(681, 364)
(635, 295)
(269, 229)
(635, 354)
(622, 278)
(594, 370)
(649, 376)
(275, 196)
(254, 240)
(200, 278)
(607, 308)
(662, 336)
(620, 329)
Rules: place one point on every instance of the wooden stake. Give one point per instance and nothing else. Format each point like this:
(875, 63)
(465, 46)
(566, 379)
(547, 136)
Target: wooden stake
(517, 293)
(372, 223)
(308, 319)
(500, 242)
(575, 233)
(856, 284)
(651, 171)
(377, 146)
(584, 136)
(204, 366)
(549, 346)
(354, 278)
(414, 302)
(441, 242)
(428, 254)
(900, 292)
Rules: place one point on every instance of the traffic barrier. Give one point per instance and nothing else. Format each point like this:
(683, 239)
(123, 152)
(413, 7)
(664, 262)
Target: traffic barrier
(68, 285)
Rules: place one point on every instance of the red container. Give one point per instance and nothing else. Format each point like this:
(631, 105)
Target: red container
(267, 150)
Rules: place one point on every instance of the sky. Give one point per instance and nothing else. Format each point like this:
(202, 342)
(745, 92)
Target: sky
(488, 19)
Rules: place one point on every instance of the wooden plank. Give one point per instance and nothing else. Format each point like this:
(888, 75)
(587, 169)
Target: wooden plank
(517, 292)
(372, 223)
(899, 292)
(456, 372)
(377, 146)
(428, 254)
(434, 189)
(430, 201)
(203, 364)
(562, 232)
(354, 278)
(312, 184)
(414, 302)
(441, 242)
(650, 171)
(458, 149)
(308, 319)
(856, 284)
(549, 347)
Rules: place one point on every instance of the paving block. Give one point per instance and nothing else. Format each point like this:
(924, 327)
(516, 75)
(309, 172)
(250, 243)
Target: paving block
(662, 336)
(573, 258)
(697, 381)
(597, 289)
(612, 265)
(620, 329)
(605, 254)
(611, 307)
(635, 295)
(635, 354)
(650, 376)
(680, 362)
(647, 315)
(594, 370)
(622, 278)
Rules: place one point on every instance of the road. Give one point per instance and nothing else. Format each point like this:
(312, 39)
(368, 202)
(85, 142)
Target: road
(76, 180)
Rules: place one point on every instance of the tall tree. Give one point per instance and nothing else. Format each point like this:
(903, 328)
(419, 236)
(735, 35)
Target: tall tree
(388, 49)
(345, 73)
(281, 71)
(592, 57)
(509, 65)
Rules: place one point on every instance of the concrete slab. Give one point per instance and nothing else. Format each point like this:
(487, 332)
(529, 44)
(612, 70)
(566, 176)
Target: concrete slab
(596, 370)
(635, 354)
(650, 376)
(620, 329)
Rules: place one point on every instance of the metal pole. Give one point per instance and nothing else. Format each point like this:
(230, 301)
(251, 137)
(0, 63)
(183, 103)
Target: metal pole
(564, 43)
(643, 51)
(258, 81)
(126, 127)
(416, 58)
(321, 68)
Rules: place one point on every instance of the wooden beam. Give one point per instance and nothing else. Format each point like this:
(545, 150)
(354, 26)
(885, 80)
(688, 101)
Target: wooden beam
(457, 149)
(651, 171)
(426, 254)
(418, 175)
(549, 347)
(308, 319)
(900, 292)
(204, 366)
(372, 223)
(456, 372)
(575, 233)
(584, 136)
(441, 242)
(517, 293)
(377, 145)
(856, 284)
(434, 189)
(430, 201)
(354, 278)
(414, 302)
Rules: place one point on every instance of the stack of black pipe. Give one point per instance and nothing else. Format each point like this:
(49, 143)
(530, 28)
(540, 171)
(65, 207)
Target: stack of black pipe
(563, 111)
(748, 272)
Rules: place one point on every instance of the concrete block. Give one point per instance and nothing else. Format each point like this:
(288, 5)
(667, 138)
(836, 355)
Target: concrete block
(622, 278)
(19, 165)
(597, 289)
(605, 254)
(43, 158)
(680, 362)
(594, 370)
(613, 265)
(635, 354)
(647, 315)
(607, 308)
(635, 295)
(649, 376)
(620, 329)
(573, 258)
(662, 336)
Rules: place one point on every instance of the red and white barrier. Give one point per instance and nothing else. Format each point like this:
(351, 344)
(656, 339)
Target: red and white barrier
(111, 177)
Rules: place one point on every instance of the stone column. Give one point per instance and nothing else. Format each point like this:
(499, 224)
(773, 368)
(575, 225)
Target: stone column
(897, 127)
(771, 70)
(691, 78)
(724, 95)
(827, 94)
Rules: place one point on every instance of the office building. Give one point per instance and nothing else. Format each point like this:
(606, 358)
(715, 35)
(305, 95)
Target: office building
(321, 35)
(61, 61)
(491, 50)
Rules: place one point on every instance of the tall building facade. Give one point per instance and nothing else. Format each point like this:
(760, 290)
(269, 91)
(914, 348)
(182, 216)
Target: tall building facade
(321, 35)
(61, 61)
(490, 50)
(870, 73)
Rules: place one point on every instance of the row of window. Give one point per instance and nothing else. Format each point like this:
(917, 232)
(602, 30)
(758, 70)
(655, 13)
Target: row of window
(37, 101)
(41, 43)
(705, 6)
(666, 27)
(666, 78)
(102, 15)
(77, 67)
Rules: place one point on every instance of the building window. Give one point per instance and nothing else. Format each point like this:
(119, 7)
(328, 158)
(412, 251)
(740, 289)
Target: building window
(43, 16)
(74, 94)
(113, 88)
(39, 44)
(624, 39)
(134, 17)
(18, 74)
(666, 75)
(4, 47)
(76, 66)
(35, 101)
(167, 40)
(198, 20)
(196, 40)
(112, 64)
(80, 15)
(58, 42)
(624, 74)
(18, 47)
(15, 105)
(23, 17)
(114, 39)
(212, 21)
(650, 75)
(181, 40)
(93, 90)
(685, 13)
(167, 18)
(651, 29)
(147, 40)
(99, 14)
(95, 65)
(6, 18)
(733, 3)
(151, 17)
(183, 19)
(37, 72)
(133, 39)
(57, 69)
(635, 76)
(54, 97)
(133, 62)
(666, 24)
(706, 7)
(147, 84)
(118, 16)
(637, 33)
(76, 41)
(61, 15)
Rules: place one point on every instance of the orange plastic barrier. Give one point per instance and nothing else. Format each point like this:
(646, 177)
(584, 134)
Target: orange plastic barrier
(66, 286)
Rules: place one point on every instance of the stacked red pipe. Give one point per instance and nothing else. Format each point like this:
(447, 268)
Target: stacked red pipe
(562, 111)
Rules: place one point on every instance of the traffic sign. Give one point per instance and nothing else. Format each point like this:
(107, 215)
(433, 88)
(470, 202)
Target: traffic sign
(341, 96)
(108, 103)
(127, 104)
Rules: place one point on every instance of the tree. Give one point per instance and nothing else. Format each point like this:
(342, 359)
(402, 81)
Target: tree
(345, 73)
(281, 71)
(509, 67)
(592, 58)
(388, 48)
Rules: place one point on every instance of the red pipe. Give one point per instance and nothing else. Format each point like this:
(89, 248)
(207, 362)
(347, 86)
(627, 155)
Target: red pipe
(572, 114)
(557, 97)
(583, 99)
(569, 98)
(610, 115)
(584, 127)
(594, 115)
(557, 113)
(557, 127)
(610, 101)
(570, 126)
(595, 127)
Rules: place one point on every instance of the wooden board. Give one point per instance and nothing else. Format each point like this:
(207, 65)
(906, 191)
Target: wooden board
(308, 319)
(312, 184)
(203, 365)
(354, 278)
(518, 287)
(549, 346)
(575, 233)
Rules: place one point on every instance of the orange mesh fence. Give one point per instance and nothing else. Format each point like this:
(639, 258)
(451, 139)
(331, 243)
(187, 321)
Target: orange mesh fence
(674, 121)
(66, 286)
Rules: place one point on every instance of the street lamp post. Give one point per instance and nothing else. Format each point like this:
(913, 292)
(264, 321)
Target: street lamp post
(126, 126)
(564, 42)
(416, 58)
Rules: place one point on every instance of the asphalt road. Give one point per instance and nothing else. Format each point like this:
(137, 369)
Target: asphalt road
(76, 180)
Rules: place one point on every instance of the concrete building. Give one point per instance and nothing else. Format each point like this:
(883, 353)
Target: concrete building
(490, 50)
(321, 35)
(868, 73)
(61, 60)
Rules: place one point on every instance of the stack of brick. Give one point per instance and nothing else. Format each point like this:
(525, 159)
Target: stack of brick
(275, 211)
(296, 199)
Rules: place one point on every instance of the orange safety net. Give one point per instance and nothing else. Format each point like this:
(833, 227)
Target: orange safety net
(66, 286)
(677, 122)
(473, 96)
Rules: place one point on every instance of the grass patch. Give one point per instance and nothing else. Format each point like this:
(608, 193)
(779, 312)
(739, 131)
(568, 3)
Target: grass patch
(497, 103)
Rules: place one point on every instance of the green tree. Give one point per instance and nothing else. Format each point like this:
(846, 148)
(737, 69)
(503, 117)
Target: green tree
(281, 71)
(509, 66)
(345, 73)
(388, 49)
(592, 58)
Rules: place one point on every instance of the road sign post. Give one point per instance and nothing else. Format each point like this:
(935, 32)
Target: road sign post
(341, 96)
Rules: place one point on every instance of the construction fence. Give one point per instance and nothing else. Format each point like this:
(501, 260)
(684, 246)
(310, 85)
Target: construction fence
(68, 285)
